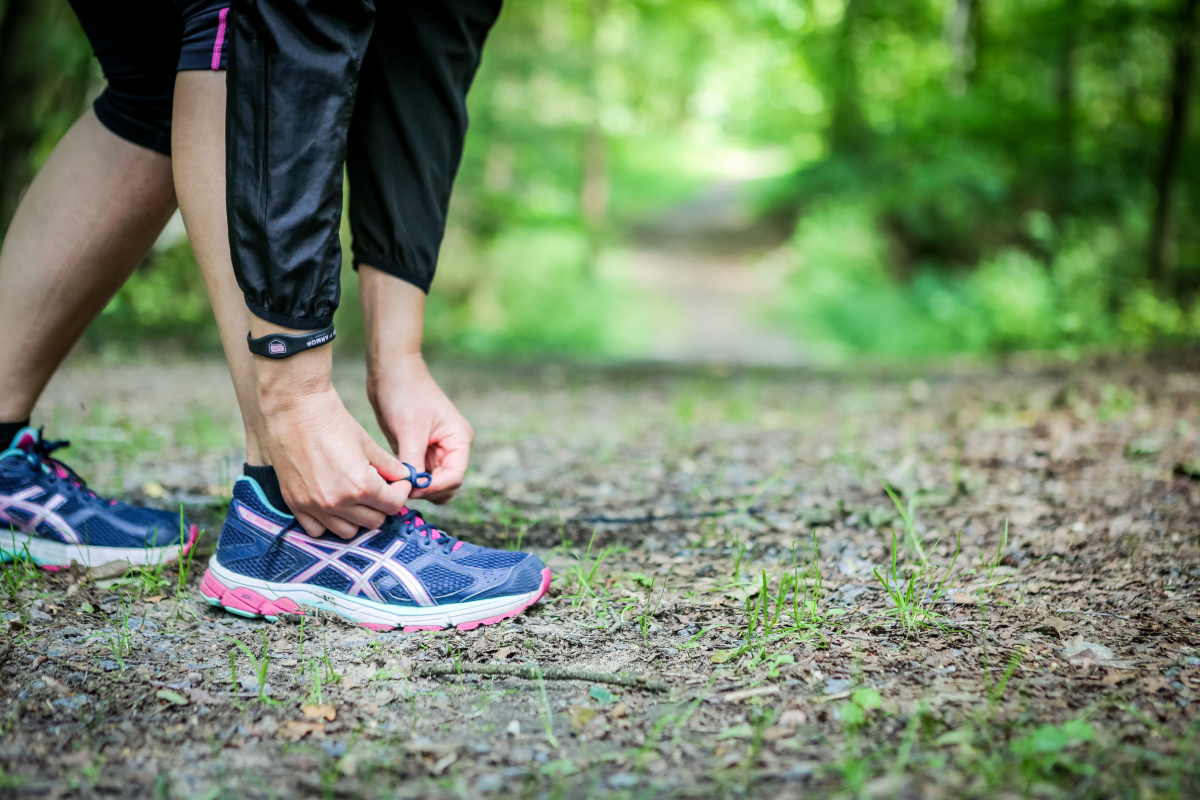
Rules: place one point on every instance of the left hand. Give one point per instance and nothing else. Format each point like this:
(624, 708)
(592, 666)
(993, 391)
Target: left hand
(422, 425)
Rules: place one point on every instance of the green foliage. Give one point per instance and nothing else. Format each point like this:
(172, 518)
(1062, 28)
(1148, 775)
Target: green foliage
(969, 176)
(857, 710)
(844, 297)
(164, 300)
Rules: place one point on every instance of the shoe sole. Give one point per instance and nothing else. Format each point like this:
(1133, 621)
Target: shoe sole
(252, 598)
(53, 556)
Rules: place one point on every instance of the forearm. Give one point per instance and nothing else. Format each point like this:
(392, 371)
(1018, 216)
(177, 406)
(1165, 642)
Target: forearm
(394, 317)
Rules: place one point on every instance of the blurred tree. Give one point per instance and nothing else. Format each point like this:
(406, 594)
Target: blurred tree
(45, 65)
(1179, 101)
(970, 141)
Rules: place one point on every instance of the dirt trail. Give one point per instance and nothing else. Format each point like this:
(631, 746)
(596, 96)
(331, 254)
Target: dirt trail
(1061, 659)
(719, 269)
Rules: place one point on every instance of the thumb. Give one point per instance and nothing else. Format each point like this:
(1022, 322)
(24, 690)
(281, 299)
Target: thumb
(413, 446)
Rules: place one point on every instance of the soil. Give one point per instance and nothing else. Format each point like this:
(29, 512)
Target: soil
(1047, 643)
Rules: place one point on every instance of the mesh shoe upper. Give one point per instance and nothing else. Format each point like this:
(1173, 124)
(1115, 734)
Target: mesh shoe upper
(40, 496)
(405, 562)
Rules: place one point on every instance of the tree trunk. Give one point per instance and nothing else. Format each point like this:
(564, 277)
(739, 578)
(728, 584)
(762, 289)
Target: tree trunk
(961, 32)
(847, 126)
(17, 88)
(44, 67)
(594, 193)
(1183, 75)
(594, 184)
(1065, 79)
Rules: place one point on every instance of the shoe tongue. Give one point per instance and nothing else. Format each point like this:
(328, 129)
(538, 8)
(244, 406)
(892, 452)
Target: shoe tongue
(25, 439)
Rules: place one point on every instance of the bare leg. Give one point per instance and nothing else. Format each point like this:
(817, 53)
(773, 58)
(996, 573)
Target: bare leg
(198, 147)
(89, 217)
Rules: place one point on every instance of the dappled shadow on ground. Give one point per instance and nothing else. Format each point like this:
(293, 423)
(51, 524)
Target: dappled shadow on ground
(1024, 617)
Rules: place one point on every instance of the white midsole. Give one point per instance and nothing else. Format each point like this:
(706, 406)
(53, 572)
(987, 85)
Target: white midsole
(44, 551)
(361, 609)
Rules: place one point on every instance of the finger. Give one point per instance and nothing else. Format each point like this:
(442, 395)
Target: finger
(341, 527)
(384, 462)
(312, 526)
(362, 516)
(449, 473)
(385, 497)
(413, 444)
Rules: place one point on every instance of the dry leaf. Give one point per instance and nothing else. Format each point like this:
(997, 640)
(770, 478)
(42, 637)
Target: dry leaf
(793, 717)
(443, 762)
(774, 734)
(295, 730)
(1078, 649)
(154, 490)
(325, 712)
(580, 716)
(113, 569)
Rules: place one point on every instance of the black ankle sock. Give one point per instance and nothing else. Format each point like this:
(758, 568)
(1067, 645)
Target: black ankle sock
(10, 429)
(269, 482)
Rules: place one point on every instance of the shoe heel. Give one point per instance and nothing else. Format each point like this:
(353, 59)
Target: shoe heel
(244, 602)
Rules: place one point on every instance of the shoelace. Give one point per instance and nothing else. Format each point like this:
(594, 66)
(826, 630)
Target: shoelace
(412, 524)
(41, 451)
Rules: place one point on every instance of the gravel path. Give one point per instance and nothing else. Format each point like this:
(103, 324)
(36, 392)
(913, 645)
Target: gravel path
(724, 531)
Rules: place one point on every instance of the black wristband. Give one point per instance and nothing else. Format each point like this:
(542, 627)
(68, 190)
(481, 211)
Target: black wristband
(282, 345)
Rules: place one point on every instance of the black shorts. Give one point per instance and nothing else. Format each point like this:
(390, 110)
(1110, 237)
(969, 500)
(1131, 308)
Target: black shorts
(141, 45)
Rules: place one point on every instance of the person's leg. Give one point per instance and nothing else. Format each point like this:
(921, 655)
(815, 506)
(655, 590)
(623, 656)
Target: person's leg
(198, 145)
(91, 214)
(89, 217)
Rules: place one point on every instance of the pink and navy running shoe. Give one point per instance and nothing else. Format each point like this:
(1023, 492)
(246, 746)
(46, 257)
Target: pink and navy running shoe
(50, 516)
(406, 574)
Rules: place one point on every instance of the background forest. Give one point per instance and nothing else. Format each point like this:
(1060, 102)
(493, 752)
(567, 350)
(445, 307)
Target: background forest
(921, 176)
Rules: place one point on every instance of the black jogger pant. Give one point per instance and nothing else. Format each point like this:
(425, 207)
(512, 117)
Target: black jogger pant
(377, 87)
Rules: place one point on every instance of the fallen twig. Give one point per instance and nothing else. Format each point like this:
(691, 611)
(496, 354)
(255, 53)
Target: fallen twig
(530, 672)
(1089, 613)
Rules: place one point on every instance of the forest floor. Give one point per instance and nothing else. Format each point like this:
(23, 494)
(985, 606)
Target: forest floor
(1026, 622)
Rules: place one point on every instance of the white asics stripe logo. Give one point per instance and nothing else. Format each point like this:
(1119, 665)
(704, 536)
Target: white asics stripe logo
(360, 582)
(39, 513)
(262, 523)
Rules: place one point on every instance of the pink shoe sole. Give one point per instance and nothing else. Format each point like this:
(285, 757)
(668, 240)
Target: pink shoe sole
(249, 603)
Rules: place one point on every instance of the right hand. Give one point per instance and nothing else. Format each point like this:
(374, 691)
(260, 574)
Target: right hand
(333, 475)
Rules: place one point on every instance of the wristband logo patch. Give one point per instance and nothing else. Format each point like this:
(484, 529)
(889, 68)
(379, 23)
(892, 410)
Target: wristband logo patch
(277, 347)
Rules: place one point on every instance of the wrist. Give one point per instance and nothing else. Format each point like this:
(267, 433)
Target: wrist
(287, 382)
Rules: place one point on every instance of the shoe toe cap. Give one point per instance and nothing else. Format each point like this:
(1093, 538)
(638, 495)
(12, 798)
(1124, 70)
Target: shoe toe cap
(526, 576)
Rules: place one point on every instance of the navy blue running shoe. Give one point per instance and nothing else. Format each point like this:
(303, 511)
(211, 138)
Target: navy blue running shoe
(406, 574)
(49, 515)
